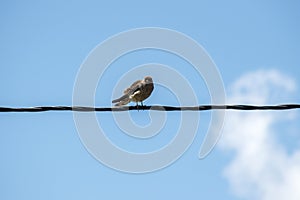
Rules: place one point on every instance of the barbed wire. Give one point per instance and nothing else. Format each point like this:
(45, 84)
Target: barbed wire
(154, 107)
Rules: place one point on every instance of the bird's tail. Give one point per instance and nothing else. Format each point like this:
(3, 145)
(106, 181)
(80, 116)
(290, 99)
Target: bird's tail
(123, 100)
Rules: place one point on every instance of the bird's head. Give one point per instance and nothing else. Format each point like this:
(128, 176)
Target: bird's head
(148, 79)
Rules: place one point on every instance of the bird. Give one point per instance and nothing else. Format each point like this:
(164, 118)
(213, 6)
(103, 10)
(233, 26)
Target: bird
(137, 92)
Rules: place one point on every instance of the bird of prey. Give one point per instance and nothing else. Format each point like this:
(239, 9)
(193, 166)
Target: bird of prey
(137, 92)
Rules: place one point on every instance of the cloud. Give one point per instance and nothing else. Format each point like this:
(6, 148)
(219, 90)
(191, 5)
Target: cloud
(261, 168)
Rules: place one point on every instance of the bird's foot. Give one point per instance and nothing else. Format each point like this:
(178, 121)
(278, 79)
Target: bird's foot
(142, 105)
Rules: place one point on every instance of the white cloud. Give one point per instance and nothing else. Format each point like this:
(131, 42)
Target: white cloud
(261, 168)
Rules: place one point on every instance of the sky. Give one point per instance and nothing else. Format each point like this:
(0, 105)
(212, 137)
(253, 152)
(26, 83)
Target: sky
(255, 47)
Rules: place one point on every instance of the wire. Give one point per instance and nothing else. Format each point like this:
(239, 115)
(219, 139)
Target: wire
(155, 107)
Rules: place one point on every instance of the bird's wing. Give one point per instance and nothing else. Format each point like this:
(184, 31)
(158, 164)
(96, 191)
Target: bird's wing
(129, 92)
(134, 93)
(133, 88)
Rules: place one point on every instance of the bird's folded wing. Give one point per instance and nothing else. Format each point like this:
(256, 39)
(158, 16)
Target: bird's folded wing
(137, 91)
(129, 93)
(133, 87)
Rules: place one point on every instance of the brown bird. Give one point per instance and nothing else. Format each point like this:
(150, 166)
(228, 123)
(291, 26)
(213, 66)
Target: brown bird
(137, 92)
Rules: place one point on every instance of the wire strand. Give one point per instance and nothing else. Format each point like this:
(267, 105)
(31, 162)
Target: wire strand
(154, 107)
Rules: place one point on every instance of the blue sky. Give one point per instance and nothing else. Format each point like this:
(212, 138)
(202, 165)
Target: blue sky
(255, 45)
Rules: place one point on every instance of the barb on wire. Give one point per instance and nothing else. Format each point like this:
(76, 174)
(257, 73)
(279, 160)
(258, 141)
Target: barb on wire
(154, 107)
